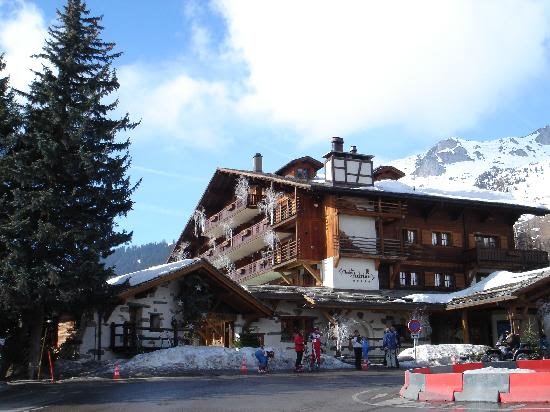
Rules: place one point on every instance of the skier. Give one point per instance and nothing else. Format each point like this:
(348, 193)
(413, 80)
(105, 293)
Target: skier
(357, 348)
(315, 339)
(299, 348)
(389, 343)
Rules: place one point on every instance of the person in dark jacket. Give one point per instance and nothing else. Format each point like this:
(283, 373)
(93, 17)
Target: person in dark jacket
(357, 344)
(389, 343)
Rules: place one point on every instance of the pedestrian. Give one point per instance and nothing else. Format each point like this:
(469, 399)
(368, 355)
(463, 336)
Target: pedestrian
(315, 339)
(398, 345)
(357, 345)
(365, 349)
(261, 356)
(299, 348)
(389, 344)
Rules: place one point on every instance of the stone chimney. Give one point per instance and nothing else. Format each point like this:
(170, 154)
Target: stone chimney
(353, 149)
(257, 163)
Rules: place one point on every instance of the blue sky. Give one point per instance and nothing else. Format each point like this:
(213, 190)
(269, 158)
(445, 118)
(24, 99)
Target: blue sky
(215, 82)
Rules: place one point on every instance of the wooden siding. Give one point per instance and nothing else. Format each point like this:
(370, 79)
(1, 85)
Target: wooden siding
(332, 228)
(310, 228)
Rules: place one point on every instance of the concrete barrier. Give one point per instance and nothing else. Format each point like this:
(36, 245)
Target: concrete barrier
(441, 369)
(441, 387)
(416, 384)
(528, 387)
(461, 367)
(482, 387)
(536, 365)
(501, 364)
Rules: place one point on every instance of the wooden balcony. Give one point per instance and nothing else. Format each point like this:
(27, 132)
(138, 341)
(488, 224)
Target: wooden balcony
(375, 208)
(252, 270)
(238, 212)
(242, 244)
(365, 247)
(286, 210)
(506, 258)
(285, 252)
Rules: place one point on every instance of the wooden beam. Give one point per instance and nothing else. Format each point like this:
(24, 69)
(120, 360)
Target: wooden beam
(465, 327)
(309, 300)
(287, 280)
(314, 272)
(329, 317)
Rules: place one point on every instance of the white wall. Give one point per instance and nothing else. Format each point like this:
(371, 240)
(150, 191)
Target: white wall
(357, 226)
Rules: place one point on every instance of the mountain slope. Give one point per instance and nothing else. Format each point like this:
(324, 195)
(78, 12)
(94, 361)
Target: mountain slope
(518, 165)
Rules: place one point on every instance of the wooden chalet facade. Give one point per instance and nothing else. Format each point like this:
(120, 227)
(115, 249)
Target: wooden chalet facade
(343, 231)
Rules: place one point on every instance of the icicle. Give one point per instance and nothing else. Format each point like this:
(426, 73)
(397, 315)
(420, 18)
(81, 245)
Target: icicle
(269, 202)
(200, 221)
(223, 262)
(228, 229)
(212, 243)
(271, 239)
(181, 253)
(242, 189)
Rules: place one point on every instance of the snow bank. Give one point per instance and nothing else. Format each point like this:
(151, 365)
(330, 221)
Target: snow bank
(145, 275)
(436, 355)
(213, 357)
(490, 369)
(494, 280)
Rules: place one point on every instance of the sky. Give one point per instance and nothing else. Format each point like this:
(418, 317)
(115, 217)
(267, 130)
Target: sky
(214, 82)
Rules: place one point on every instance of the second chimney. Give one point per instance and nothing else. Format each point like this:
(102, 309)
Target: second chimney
(337, 144)
(257, 163)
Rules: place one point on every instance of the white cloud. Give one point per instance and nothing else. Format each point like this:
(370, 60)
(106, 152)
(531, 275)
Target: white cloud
(172, 104)
(338, 67)
(22, 33)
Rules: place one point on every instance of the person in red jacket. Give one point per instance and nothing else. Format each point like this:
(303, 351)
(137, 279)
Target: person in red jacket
(299, 348)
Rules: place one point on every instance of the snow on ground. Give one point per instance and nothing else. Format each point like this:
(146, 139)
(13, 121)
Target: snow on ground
(192, 358)
(490, 369)
(436, 355)
(494, 280)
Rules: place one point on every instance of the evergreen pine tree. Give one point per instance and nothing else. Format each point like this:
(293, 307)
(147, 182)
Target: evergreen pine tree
(70, 170)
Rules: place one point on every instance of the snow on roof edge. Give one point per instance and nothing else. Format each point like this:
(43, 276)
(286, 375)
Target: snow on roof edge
(145, 275)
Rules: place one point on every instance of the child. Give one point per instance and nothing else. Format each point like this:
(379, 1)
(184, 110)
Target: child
(299, 348)
(262, 359)
(315, 339)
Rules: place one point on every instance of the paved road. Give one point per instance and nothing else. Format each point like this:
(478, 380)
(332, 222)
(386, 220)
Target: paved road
(340, 391)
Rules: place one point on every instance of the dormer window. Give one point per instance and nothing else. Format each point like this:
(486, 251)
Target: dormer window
(302, 173)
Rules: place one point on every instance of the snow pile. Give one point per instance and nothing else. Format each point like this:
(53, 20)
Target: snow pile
(436, 355)
(145, 275)
(494, 280)
(191, 358)
(490, 369)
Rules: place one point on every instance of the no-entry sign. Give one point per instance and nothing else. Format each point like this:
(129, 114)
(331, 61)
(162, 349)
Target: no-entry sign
(414, 325)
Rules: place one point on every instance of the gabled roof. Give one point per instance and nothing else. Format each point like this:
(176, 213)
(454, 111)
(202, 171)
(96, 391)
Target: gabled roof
(143, 280)
(315, 164)
(539, 282)
(395, 172)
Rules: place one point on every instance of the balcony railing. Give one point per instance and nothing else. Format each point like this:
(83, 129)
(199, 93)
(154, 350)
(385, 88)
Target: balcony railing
(285, 251)
(243, 237)
(371, 247)
(230, 211)
(286, 208)
(252, 270)
(373, 207)
(513, 258)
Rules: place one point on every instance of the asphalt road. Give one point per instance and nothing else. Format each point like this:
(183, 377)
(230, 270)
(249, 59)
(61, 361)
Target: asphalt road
(340, 391)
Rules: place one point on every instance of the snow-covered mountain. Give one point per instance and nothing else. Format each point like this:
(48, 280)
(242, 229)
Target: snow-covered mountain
(518, 165)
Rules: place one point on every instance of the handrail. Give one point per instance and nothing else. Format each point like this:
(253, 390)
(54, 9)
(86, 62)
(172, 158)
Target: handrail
(241, 238)
(481, 254)
(231, 210)
(285, 251)
(370, 246)
(252, 269)
(285, 209)
(374, 207)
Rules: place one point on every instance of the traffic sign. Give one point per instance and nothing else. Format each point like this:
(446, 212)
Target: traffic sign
(414, 325)
(415, 335)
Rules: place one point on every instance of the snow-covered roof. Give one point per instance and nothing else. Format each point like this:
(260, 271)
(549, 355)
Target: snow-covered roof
(145, 275)
(502, 282)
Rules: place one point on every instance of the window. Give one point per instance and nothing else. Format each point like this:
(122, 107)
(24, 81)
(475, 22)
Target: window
(289, 325)
(449, 281)
(410, 235)
(441, 239)
(302, 173)
(486, 241)
(154, 321)
(409, 278)
(437, 280)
